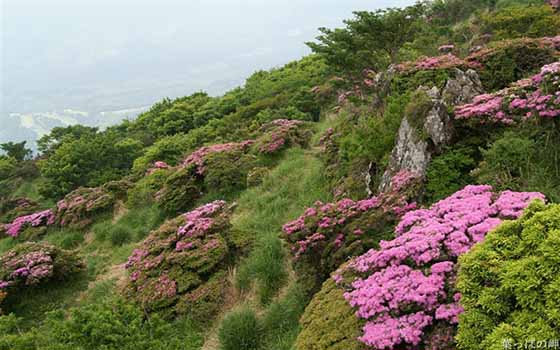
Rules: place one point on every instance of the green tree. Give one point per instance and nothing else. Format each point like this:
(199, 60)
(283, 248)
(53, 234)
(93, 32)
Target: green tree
(50, 142)
(16, 150)
(370, 39)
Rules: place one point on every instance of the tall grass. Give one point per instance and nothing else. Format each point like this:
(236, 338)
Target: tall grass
(298, 181)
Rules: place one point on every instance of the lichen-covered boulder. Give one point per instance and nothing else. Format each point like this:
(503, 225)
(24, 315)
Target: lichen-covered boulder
(404, 294)
(78, 208)
(31, 264)
(180, 268)
(510, 284)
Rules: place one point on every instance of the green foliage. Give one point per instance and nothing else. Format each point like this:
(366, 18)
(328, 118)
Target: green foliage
(521, 21)
(329, 322)
(7, 166)
(16, 151)
(370, 39)
(509, 283)
(143, 192)
(88, 162)
(111, 325)
(169, 149)
(227, 172)
(266, 266)
(240, 330)
(448, 173)
(298, 181)
(360, 139)
(417, 109)
(409, 82)
(182, 189)
(511, 60)
(47, 144)
(524, 159)
(508, 162)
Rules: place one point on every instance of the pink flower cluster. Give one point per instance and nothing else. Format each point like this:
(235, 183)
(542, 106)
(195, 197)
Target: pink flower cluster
(198, 157)
(528, 98)
(157, 166)
(199, 220)
(278, 134)
(429, 63)
(42, 218)
(179, 256)
(408, 284)
(347, 226)
(33, 263)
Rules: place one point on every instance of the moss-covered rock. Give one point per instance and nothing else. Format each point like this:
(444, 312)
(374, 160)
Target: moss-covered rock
(509, 283)
(329, 322)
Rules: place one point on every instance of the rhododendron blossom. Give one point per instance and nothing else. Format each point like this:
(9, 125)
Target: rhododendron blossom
(537, 97)
(277, 134)
(198, 157)
(334, 231)
(42, 218)
(408, 284)
(179, 257)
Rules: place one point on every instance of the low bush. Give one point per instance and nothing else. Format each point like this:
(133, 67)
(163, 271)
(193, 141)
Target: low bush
(240, 330)
(509, 284)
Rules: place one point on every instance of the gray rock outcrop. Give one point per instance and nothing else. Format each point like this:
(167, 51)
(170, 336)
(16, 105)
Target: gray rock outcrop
(415, 148)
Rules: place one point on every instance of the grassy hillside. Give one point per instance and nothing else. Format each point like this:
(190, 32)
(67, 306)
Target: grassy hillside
(306, 209)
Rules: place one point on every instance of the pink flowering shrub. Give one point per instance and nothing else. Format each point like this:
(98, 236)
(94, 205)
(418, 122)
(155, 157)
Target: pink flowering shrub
(159, 165)
(39, 219)
(280, 134)
(327, 234)
(537, 97)
(220, 168)
(405, 290)
(180, 267)
(31, 264)
(10, 209)
(198, 157)
(79, 207)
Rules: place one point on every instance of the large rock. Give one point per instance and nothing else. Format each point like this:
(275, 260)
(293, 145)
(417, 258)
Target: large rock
(422, 136)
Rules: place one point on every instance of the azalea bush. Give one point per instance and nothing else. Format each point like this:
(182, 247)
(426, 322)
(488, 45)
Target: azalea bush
(180, 267)
(39, 219)
(19, 206)
(509, 283)
(328, 233)
(282, 133)
(529, 99)
(405, 292)
(79, 208)
(31, 264)
(218, 167)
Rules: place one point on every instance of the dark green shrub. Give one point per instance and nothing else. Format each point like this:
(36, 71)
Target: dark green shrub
(521, 21)
(227, 171)
(120, 235)
(448, 173)
(266, 266)
(240, 330)
(508, 162)
(111, 325)
(329, 322)
(509, 283)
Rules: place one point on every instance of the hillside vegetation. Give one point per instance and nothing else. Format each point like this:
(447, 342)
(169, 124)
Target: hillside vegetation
(395, 189)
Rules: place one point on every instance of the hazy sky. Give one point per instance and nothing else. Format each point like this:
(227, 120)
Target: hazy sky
(110, 54)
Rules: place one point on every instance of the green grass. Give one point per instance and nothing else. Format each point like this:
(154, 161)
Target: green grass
(298, 181)
(30, 189)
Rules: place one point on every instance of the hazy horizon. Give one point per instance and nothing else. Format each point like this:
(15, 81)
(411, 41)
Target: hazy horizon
(88, 57)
